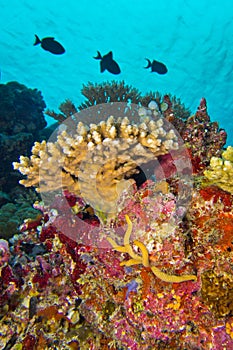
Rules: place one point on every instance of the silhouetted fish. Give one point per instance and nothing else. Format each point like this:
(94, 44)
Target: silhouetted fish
(107, 62)
(51, 45)
(156, 66)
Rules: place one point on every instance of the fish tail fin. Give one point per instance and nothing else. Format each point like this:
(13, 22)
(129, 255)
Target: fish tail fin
(98, 57)
(148, 64)
(37, 41)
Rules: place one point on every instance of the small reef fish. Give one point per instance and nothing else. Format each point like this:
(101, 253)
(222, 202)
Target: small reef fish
(108, 63)
(51, 45)
(156, 66)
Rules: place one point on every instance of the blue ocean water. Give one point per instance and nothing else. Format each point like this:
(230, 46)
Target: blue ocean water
(193, 38)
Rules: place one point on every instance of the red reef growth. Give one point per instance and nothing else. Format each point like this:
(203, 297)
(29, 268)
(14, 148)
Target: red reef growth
(202, 137)
(29, 342)
(215, 194)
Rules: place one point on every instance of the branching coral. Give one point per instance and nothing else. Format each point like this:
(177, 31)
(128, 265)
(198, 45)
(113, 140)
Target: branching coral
(109, 92)
(113, 91)
(67, 109)
(98, 161)
(144, 259)
(220, 172)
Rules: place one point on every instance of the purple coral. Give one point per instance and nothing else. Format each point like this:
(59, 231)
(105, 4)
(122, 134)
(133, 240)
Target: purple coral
(4, 252)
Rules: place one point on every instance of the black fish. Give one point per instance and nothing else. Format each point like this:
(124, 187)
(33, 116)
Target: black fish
(51, 45)
(156, 66)
(107, 62)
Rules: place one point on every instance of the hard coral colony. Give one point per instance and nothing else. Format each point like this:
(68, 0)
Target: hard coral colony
(78, 277)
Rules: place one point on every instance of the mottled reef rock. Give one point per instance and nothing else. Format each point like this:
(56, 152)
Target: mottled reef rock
(21, 119)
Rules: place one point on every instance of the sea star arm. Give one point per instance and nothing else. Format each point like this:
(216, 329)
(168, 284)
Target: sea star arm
(126, 248)
(145, 255)
(172, 278)
(131, 262)
(128, 231)
(119, 248)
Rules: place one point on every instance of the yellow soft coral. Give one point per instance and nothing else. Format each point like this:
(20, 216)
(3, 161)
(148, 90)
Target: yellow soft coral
(144, 258)
(220, 172)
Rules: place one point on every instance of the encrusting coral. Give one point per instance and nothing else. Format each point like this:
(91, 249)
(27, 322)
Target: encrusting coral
(220, 171)
(97, 161)
(217, 292)
(13, 214)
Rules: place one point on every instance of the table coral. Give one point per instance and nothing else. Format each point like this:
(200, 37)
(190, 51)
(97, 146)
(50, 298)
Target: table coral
(97, 161)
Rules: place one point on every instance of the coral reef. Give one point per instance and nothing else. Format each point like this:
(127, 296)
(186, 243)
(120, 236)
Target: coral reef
(220, 171)
(158, 276)
(4, 252)
(217, 292)
(67, 109)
